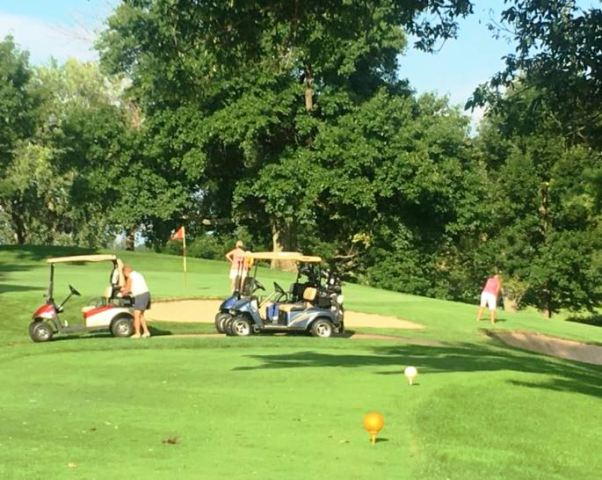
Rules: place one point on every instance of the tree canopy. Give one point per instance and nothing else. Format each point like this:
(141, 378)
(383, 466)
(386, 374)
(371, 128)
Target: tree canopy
(290, 123)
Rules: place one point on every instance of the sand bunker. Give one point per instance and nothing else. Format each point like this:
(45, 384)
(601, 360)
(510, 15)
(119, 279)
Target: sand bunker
(556, 347)
(204, 311)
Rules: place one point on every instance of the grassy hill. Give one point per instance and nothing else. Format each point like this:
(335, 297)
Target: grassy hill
(274, 407)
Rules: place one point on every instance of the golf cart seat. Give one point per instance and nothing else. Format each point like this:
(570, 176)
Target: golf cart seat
(309, 296)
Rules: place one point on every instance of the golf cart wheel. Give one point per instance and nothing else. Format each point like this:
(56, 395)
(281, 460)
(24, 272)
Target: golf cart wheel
(228, 326)
(322, 328)
(220, 320)
(241, 327)
(40, 332)
(122, 327)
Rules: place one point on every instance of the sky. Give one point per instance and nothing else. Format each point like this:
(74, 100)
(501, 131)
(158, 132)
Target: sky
(67, 28)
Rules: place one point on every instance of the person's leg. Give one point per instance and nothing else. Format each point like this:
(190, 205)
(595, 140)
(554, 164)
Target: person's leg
(232, 281)
(481, 307)
(492, 301)
(146, 332)
(136, 324)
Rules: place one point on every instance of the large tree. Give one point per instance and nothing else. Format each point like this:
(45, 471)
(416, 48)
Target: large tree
(23, 168)
(252, 91)
(557, 51)
(544, 231)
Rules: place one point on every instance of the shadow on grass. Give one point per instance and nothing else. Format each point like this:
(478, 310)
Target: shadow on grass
(11, 288)
(594, 319)
(463, 357)
(154, 331)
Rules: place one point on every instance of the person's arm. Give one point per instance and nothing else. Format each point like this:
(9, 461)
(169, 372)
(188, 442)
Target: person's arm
(127, 288)
(230, 256)
(499, 288)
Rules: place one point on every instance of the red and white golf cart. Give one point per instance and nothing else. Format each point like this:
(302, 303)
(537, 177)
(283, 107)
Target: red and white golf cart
(111, 312)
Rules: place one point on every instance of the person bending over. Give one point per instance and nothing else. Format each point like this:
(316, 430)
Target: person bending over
(489, 296)
(136, 287)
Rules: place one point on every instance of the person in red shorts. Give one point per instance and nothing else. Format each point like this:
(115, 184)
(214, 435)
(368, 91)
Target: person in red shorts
(489, 295)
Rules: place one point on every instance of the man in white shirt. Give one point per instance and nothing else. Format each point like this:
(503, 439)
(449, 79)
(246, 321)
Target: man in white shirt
(136, 287)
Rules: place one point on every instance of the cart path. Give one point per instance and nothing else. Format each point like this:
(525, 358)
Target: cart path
(553, 346)
(203, 311)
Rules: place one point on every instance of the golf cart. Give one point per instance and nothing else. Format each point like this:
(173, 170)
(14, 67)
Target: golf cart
(111, 312)
(313, 304)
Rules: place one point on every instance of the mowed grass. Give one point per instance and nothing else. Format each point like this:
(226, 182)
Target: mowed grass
(270, 407)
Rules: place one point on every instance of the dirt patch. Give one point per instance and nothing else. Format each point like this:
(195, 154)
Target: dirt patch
(553, 346)
(203, 311)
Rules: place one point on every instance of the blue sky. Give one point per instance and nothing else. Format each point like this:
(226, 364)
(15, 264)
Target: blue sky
(64, 28)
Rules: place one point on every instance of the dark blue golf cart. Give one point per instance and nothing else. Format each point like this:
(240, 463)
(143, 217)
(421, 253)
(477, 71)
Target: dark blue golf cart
(312, 304)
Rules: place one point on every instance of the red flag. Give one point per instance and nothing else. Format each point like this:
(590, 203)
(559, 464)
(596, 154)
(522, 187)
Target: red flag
(179, 235)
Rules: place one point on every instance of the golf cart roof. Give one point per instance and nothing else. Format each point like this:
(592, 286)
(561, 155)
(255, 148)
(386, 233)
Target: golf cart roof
(83, 258)
(292, 256)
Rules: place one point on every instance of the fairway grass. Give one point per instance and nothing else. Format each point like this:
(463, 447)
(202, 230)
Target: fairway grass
(284, 407)
(272, 407)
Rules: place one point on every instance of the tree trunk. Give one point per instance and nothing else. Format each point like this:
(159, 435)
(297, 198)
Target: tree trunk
(130, 239)
(281, 242)
(309, 92)
(549, 308)
(18, 225)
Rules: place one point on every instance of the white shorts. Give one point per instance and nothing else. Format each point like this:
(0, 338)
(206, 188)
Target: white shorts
(235, 273)
(489, 300)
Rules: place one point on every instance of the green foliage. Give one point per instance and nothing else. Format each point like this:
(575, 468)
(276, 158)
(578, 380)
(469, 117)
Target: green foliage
(17, 102)
(557, 52)
(562, 275)
(205, 246)
(287, 124)
(545, 215)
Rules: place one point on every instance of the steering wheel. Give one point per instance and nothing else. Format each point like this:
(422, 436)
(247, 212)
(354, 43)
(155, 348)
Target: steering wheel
(282, 295)
(74, 291)
(259, 285)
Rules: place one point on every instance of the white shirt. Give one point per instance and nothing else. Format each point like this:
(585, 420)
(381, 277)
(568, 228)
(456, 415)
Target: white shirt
(138, 285)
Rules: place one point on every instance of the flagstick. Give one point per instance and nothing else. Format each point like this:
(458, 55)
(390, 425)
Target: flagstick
(184, 253)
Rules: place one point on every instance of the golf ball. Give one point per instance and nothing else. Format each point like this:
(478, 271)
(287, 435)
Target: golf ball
(410, 373)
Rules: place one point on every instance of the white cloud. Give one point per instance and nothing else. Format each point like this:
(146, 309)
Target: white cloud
(44, 40)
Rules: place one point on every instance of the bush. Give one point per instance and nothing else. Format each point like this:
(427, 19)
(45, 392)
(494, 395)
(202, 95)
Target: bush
(205, 246)
(209, 247)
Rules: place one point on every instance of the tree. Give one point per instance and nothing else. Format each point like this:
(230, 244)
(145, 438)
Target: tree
(18, 106)
(248, 88)
(557, 53)
(543, 230)
(116, 184)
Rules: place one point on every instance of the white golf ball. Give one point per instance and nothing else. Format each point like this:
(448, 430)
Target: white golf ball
(410, 373)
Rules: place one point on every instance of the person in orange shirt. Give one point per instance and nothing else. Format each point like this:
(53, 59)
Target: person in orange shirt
(489, 295)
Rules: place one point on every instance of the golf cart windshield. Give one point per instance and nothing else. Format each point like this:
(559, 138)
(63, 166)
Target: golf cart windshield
(250, 282)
